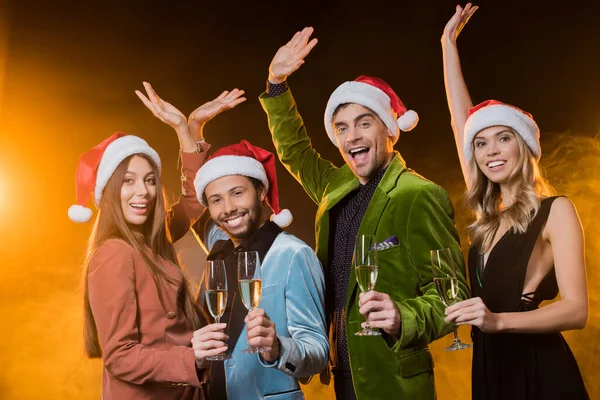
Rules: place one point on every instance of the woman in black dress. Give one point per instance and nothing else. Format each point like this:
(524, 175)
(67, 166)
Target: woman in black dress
(526, 247)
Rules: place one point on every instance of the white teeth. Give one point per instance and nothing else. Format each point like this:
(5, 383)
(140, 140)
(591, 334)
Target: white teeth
(233, 221)
(496, 164)
(139, 205)
(354, 151)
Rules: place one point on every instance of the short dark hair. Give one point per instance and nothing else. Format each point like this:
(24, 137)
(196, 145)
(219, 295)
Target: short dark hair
(344, 105)
(338, 109)
(257, 183)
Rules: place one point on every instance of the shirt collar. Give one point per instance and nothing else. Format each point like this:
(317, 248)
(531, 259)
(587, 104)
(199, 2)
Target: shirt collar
(372, 184)
(259, 241)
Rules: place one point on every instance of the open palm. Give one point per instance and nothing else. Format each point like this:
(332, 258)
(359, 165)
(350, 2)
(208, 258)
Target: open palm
(458, 22)
(161, 109)
(226, 101)
(291, 56)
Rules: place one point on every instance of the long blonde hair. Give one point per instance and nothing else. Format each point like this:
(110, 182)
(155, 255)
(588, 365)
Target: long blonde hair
(485, 198)
(153, 243)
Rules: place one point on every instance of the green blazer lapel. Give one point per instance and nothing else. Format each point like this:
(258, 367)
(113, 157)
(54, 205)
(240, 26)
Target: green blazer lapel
(349, 183)
(337, 194)
(377, 205)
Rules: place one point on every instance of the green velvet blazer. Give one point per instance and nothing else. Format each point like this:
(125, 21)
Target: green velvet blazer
(406, 205)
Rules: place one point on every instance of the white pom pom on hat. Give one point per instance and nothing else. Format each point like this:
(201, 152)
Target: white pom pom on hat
(408, 121)
(377, 95)
(494, 113)
(97, 165)
(244, 159)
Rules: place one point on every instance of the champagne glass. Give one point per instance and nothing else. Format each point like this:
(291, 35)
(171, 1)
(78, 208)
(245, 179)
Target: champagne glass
(250, 284)
(365, 263)
(215, 292)
(446, 283)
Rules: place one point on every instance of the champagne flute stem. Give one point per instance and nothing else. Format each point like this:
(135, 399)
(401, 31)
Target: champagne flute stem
(217, 320)
(455, 328)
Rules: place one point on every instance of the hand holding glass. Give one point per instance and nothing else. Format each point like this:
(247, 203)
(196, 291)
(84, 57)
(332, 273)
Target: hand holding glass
(365, 263)
(446, 283)
(215, 292)
(250, 282)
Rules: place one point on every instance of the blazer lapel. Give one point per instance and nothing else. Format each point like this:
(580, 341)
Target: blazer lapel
(328, 201)
(374, 212)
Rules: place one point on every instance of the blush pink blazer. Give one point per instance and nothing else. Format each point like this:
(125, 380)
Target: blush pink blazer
(147, 351)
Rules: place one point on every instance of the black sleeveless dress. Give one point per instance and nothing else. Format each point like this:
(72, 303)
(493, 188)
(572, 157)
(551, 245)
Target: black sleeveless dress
(517, 366)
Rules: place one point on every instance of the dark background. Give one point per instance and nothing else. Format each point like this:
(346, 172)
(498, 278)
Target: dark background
(72, 68)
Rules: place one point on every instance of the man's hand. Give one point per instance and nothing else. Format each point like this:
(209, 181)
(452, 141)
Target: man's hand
(291, 56)
(457, 23)
(261, 333)
(207, 111)
(380, 312)
(209, 341)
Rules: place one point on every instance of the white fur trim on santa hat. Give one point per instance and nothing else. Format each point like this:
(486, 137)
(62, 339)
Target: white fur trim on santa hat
(221, 166)
(114, 154)
(283, 219)
(366, 95)
(504, 115)
(79, 213)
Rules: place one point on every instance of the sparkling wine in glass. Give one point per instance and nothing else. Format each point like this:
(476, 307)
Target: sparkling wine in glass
(215, 293)
(250, 282)
(446, 284)
(365, 264)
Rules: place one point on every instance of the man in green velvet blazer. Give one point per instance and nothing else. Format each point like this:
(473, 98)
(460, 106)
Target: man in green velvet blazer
(373, 193)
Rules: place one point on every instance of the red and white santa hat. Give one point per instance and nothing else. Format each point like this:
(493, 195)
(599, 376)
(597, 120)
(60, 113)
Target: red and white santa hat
(377, 95)
(493, 113)
(247, 160)
(97, 165)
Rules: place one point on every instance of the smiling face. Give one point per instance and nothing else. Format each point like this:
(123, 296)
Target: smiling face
(236, 206)
(138, 192)
(496, 151)
(363, 140)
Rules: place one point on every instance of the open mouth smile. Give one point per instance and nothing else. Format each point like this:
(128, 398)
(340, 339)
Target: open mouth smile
(495, 164)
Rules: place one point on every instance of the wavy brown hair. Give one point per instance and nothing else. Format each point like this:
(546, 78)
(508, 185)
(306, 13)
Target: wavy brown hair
(153, 243)
(485, 198)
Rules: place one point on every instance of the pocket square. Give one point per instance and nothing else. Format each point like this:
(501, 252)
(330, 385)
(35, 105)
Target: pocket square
(387, 243)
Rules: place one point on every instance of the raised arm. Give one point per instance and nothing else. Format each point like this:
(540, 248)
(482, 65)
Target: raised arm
(457, 93)
(194, 150)
(207, 111)
(293, 145)
(170, 115)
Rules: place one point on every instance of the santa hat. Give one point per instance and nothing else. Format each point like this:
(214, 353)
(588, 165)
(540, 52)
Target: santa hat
(376, 95)
(247, 160)
(97, 165)
(492, 113)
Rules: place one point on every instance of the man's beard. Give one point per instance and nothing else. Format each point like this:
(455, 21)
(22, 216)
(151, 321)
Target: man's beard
(251, 226)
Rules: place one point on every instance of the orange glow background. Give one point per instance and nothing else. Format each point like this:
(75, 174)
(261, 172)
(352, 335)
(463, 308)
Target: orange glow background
(49, 115)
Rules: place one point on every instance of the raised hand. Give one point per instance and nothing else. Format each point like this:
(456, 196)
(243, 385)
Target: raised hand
(458, 22)
(162, 110)
(291, 56)
(207, 111)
